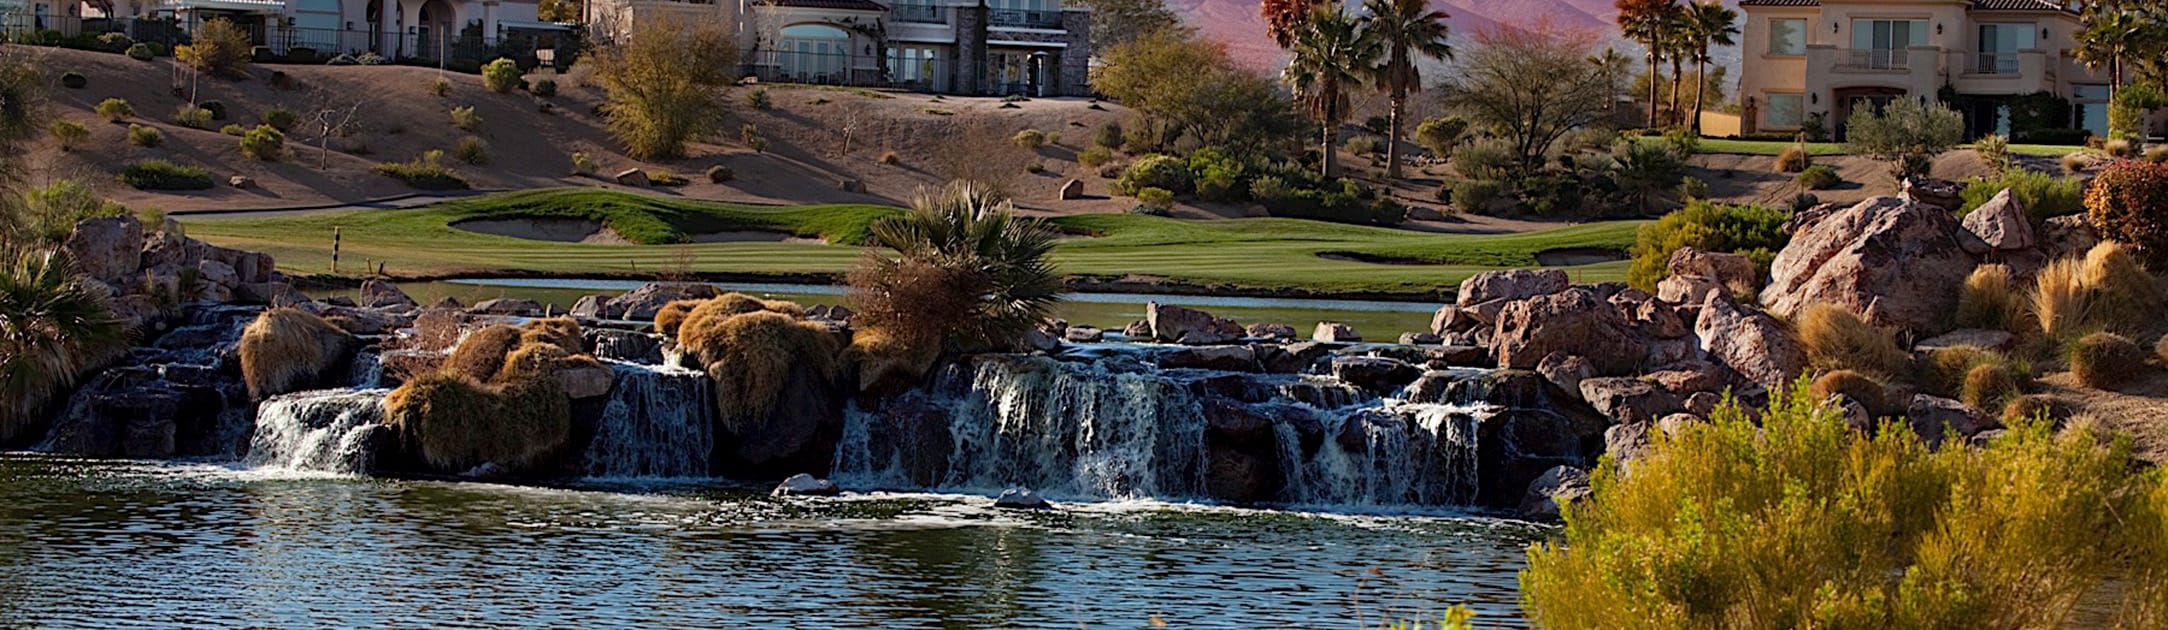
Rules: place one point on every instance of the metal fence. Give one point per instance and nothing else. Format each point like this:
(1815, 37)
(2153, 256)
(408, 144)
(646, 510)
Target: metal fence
(1032, 19)
(782, 66)
(462, 48)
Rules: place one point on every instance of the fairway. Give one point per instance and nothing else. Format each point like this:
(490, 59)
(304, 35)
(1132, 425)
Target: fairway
(1287, 255)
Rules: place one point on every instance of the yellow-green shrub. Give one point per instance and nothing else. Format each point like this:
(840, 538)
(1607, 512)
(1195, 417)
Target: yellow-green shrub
(1986, 300)
(1836, 339)
(1797, 522)
(286, 349)
(2102, 360)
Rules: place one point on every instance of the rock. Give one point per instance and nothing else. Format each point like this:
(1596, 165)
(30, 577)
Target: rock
(1997, 340)
(1574, 321)
(1703, 403)
(1939, 193)
(1627, 442)
(108, 249)
(1650, 318)
(1139, 330)
(1630, 400)
(217, 273)
(1041, 340)
(592, 307)
(1561, 485)
(1377, 374)
(1460, 356)
(1856, 416)
(1898, 264)
(1300, 356)
(138, 312)
(1451, 319)
(1931, 417)
(1725, 269)
(1692, 291)
(1566, 371)
(1083, 334)
(1689, 379)
(1072, 190)
(642, 303)
(241, 181)
(1221, 358)
(1021, 499)
(1243, 453)
(1420, 339)
(507, 306)
(448, 302)
(139, 412)
(587, 382)
(1437, 386)
(1672, 424)
(1175, 324)
(1510, 285)
(804, 485)
(2067, 236)
(1758, 347)
(624, 345)
(380, 294)
(1335, 332)
(1514, 448)
(2001, 223)
(271, 293)
(851, 185)
(1276, 332)
(631, 177)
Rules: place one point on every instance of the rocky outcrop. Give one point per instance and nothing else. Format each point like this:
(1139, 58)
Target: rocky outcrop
(1561, 485)
(1999, 225)
(1335, 332)
(108, 249)
(1223, 358)
(1510, 285)
(1175, 324)
(1899, 264)
(1630, 400)
(380, 294)
(1940, 194)
(1574, 321)
(642, 303)
(1753, 344)
(1377, 374)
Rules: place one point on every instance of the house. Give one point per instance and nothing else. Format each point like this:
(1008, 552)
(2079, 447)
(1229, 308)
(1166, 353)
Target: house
(973, 47)
(425, 30)
(1809, 60)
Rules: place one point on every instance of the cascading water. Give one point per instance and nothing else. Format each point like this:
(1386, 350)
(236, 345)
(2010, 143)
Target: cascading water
(658, 422)
(318, 431)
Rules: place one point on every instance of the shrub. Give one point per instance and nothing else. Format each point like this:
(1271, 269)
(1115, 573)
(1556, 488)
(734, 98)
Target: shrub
(582, 164)
(1270, 189)
(68, 134)
(1362, 145)
(1156, 198)
(59, 328)
(661, 177)
(74, 80)
(1155, 171)
(1794, 159)
(115, 42)
(970, 275)
(1947, 370)
(286, 349)
(426, 172)
(1692, 188)
(1034, 167)
(1489, 158)
(513, 421)
(1441, 134)
(1987, 300)
(2128, 202)
(472, 151)
(1907, 133)
(718, 174)
(2074, 163)
(758, 99)
(2127, 110)
(49, 214)
(1474, 196)
(544, 87)
(1837, 339)
(2103, 360)
(2106, 290)
(2043, 195)
(281, 118)
(144, 136)
(1754, 231)
(1216, 176)
(233, 129)
(1994, 152)
(217, 109)
(192, 117)
(1870, 530)
(1818, 177)
(1644, 172)
(1095, 157)
(481, 355)
(264, 143)
(1991, 386)
(465, 119)
(500, 75)
(441, 87)
(217, 47)
(2120, 148)
(115, 110)
(1855, 387)
(752, 357)
(1682, 142)
(1030, 139)
(155, 174)
(140, 52)
(1109, 137)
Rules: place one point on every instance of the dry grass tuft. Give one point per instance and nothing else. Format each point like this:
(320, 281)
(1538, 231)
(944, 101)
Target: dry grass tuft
(481, 354)
(458, 423)
(561, 332)
(288, 349)
(671, 315)
(751, 356)
(1837, 339)
(2104, 360)
(885, 361)
(1987, 301)
(1989, 385)
(1855, 387)
(2125, 297)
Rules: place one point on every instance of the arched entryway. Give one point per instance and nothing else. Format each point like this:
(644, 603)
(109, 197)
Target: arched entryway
(375, 15)
(813, 53)
(435, 26)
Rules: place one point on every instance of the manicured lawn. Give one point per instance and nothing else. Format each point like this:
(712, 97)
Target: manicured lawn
(1758, 147)
(2045, 150)
(1250, 253)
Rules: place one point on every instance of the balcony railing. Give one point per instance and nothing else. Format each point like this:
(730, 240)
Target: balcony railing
(917, 13)
(1994, 63)
(1030, 19)
(1875, 59)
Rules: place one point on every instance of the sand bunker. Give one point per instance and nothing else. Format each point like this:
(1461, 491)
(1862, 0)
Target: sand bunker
(594, 232)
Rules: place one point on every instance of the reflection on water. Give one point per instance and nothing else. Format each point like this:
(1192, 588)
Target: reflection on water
(1378, 320)
(108, 544)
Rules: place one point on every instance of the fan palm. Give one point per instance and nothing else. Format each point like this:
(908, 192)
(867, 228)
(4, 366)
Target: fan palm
(1712, 25)
(1404, 29)
(965, 243)
(1678, 43)
(1329, 58)
(2114, 31)
(53, 327)
(1644, 22)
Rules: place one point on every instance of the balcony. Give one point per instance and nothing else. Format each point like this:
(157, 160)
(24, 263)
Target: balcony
(1991, 63)
(917, 14)
(1025, 19)
(1874, 60)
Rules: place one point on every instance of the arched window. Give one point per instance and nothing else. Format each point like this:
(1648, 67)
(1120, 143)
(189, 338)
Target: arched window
(815, 53)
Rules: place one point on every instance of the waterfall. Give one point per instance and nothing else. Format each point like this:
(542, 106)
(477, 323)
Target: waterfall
(368, 368)
(659, 422)
(320, 431)
(1393, 454)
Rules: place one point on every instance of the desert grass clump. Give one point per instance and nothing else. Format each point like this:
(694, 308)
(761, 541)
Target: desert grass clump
(1872, 530)
(2126, 298)
(287, 350)
(456, 423)
(1792, 160)
(1987, 301)
(752, 356)
(2103, 360)
(672, 314)
(562, 332)
(480, 355)
(1855, 387)
(1991, 385)
(1837, 339)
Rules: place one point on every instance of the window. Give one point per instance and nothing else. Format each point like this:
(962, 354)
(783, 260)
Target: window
(1788, 36)
(814, 53)
(1785, 111)
(2092, 106)
(913, 64)
(1999, 45)
(1885, 44)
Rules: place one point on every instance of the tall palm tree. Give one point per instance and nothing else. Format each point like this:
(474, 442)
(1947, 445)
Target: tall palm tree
(1284, 18)
(1642, 21)
(1328, 59)
(2112, 29)
(1678, 42)
(1713, 25)
(1404, 29)
(1615, 69)
(52, 328)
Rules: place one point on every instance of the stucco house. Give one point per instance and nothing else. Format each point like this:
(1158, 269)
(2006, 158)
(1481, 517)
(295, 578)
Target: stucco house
(1809, 59)
(468, 30)
(976, 47)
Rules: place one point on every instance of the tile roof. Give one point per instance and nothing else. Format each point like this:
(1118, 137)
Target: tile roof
(1981, 5)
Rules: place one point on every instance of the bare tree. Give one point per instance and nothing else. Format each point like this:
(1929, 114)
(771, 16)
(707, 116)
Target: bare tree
(1532, 87)
(331, 115)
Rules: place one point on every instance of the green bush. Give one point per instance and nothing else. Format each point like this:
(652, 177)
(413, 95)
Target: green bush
(472, 151)
(1755, 231)
(50, 213)
(68, 134)
(217, 47)
(441, 87)
(141, 52)
(1907, 133)
(233, 129)
(1109, 137)
(1340, 201)
(264, 143)
(1217, 177)
(1490, 158)
(146, 137)
(426, 172)
(1789, 519)
(1156, 198)
(1474, 196)
(2043, 195)
(2130, 106)
(1362, 144)
(115, 109)
(465, 119)
(500, 75)
(192, 117)
(115, 42)
(1155, 171)
(1994, 152)
(1270, 189)
(758, 99)
(2128, 202)
(155, 174)
(281, 118)
(1441, 134)
(1095, 157)
(1682, 142)
(1818, 177)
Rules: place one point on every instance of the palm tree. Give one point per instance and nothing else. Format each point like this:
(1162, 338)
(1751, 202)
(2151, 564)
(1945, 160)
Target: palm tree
(52, 328)
(1329, 57)
(2116, 31)
(1284, 18)
(1403, 29)
(970, 273)
(1678, 42)
(1615, 69)
(1642, 21)
(1712, 25)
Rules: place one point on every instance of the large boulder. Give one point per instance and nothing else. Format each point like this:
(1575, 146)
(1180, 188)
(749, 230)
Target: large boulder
(507, 306)
(1516, 446)
(1243, 456)
(1934, 418)
(642, 303)
(1948, 196)
(1574, 321)
(109, 249)
(1222, 358)
(1751, 343)
(1335, 332)
(2001, 224)
(1377, 374)
(381, 294)
(1511, 284)
(624, 345)
(1630, 400)
(1561, 485)
(1897, 263)
(1174, 324)
(1726, 269)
